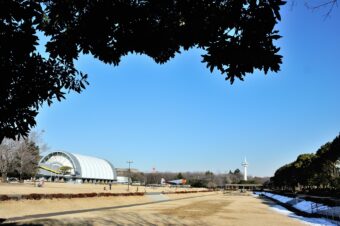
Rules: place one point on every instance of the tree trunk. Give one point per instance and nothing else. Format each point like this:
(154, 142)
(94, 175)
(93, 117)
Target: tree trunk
(4, 177)
(20, 178)
(2, 137)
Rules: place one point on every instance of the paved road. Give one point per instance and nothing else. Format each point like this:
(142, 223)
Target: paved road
(157, 196)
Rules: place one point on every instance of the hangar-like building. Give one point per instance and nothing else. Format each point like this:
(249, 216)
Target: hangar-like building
(81, 168)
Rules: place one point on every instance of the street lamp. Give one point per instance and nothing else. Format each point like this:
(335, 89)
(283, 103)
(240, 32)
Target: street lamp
(129, 162)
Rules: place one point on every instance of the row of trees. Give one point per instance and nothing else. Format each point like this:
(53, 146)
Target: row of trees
(19, 158)
(197, 179)
(311, 171)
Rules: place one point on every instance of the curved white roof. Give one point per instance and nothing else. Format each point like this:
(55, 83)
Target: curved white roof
(92, 167)
(83, 166)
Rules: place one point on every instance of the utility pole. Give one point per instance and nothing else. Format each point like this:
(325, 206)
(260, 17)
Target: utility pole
(129, 162)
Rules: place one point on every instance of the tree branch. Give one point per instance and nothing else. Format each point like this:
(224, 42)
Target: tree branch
(330, 4)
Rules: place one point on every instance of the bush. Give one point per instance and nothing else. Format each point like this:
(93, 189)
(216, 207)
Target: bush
(4, 198)
(69, 196)
(33, 196)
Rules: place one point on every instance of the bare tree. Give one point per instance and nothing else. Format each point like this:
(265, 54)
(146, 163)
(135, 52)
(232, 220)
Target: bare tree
(7, 157)
(20, 157)
(37, 138)
(138, 176)
(26, 158)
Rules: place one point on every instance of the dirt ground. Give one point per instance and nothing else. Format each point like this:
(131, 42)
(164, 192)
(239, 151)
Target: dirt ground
(28, 188)
(190, 209)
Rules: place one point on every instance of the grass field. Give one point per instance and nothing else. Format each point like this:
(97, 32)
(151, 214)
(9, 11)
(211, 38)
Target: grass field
(210, 208)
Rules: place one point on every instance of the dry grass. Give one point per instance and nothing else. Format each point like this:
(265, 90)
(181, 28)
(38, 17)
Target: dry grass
(198, 209)
(10, 209)
(212, 209)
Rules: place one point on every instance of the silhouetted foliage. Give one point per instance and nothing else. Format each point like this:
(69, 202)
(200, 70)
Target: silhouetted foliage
(198, 183)
(27, 79)
(237, 36)
(237, 171)
(247, 182)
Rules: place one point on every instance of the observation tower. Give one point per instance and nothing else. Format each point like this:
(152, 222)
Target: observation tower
(245, 165)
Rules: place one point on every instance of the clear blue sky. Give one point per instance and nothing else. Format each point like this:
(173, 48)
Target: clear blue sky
(180, 117)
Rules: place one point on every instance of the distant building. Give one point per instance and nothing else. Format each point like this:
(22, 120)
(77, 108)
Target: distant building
(123, 180)
(82, 168)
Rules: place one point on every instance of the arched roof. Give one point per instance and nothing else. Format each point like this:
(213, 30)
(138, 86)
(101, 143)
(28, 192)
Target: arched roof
(82, 166)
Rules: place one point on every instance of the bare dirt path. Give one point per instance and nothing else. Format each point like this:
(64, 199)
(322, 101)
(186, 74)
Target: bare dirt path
(215, 209)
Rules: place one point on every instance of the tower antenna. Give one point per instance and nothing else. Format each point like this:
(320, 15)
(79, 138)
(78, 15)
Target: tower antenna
(245, 165)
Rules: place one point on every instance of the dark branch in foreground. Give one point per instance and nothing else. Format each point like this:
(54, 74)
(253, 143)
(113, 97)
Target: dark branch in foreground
(238, 37)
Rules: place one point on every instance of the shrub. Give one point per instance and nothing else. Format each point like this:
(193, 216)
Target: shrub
(33, 196)
(4, 198)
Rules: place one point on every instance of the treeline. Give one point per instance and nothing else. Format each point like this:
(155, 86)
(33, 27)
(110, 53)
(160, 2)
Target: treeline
(206, 179)
(311, 172)
(19, 158)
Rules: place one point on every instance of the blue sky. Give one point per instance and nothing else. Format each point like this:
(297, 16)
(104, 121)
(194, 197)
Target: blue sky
(180, 117)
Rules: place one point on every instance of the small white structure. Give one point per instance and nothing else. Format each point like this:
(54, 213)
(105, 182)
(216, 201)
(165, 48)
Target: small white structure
(122, 180)
(163, 181)
(245, 165)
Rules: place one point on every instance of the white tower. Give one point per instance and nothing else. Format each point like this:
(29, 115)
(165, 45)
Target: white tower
(245, 165)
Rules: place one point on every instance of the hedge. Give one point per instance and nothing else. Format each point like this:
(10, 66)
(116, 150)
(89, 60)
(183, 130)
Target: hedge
(35, 196)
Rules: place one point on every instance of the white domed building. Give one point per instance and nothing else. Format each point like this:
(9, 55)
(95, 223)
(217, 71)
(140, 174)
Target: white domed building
(80, 168)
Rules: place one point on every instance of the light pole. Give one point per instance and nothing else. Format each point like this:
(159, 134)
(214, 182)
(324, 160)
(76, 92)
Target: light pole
(129, 162)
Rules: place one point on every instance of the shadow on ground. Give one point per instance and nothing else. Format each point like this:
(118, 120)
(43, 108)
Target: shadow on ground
(193, 213)
(115, 219)
(267, 202)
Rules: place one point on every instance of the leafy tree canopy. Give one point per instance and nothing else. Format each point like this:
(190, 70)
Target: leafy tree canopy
(27, 79)
(209, 173)
(179, 176)
(308, 170)
(237, 171)
(237, 36)
(65, 169)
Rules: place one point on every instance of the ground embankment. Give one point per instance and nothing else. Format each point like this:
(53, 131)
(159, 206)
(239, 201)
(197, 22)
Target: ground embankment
(325, 200)
(302, 206)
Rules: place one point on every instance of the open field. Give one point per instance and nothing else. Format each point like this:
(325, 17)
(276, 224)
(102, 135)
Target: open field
(185, 209)
(48, 188)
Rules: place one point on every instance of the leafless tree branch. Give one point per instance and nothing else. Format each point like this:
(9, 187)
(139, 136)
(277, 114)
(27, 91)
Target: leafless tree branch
(329, 5)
